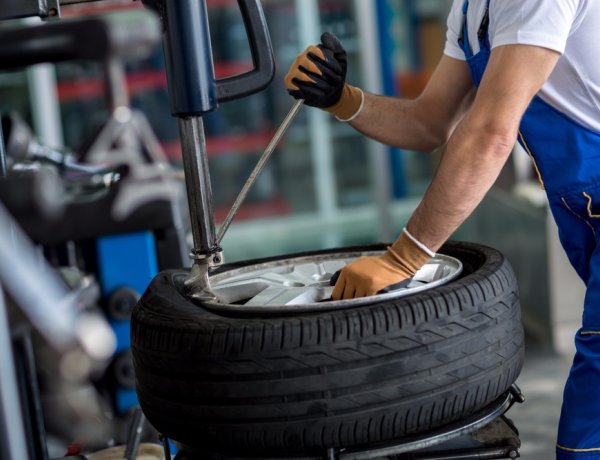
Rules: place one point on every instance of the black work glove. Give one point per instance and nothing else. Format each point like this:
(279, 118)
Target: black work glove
(318, 75)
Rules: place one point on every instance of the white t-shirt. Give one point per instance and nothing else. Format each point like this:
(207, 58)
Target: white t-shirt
(571, 27)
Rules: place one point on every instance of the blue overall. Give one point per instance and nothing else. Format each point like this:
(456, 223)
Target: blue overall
(566, 156)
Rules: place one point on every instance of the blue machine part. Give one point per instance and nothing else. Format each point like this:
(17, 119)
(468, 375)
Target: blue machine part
(125, 262)
(125, 399)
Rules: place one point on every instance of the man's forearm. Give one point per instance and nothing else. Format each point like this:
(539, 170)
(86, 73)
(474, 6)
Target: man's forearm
(397, 122)
(424, 123)
(470, 165)
(481, 144)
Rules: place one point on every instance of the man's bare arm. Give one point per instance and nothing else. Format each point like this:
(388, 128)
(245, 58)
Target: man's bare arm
(426, 122)
(482, 142)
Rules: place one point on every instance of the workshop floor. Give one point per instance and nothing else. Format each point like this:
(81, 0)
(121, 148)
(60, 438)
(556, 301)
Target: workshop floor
(541, 381)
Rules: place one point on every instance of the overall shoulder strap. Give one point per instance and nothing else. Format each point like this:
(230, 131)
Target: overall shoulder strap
(482, 34)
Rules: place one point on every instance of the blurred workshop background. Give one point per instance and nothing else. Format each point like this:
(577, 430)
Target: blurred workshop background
(326, 185)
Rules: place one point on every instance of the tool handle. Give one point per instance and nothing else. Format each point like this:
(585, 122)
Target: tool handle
(193, 89)
(262, 56)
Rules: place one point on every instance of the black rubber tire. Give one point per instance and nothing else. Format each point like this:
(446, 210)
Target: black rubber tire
(279, 386)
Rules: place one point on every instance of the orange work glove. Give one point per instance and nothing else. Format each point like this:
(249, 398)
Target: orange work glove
(318, 75)
(368, 275)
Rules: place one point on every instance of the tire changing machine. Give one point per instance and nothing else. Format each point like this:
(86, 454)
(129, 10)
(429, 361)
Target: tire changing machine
(193, 91)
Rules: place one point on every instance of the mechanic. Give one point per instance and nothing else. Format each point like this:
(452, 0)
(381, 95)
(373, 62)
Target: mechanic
(511, 70)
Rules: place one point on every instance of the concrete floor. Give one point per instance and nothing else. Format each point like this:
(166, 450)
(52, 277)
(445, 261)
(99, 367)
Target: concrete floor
(541, 381)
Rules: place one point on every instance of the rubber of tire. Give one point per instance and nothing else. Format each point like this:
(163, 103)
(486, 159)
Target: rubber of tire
(284, 385)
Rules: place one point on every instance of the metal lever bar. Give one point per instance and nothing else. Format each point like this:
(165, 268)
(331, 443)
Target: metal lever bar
(259, 167)
(134, 438)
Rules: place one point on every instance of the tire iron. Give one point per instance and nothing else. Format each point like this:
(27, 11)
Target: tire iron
(259, 167)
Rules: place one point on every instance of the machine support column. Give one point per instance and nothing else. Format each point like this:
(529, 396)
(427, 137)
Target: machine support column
(199, 191)
(194, 91)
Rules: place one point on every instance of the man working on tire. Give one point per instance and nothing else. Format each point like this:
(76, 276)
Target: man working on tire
(525, 70)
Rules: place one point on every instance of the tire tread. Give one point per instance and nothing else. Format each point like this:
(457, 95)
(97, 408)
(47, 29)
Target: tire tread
(217, 381)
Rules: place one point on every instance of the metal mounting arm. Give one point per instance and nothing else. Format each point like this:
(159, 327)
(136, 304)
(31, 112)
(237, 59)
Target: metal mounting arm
(194, 91)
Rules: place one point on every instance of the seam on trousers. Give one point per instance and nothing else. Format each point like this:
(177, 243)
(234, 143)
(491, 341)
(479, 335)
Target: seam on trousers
(569, 449)
(589, 206)
(578, 216)
(528, 150)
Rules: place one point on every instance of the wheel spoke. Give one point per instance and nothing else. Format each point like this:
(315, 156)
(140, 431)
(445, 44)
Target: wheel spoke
(429, 273)
(290, 296)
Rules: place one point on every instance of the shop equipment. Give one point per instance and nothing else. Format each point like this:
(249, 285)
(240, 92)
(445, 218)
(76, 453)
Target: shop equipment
(193, 92)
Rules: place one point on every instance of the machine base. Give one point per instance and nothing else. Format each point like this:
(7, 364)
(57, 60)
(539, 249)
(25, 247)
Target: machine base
(486, 435)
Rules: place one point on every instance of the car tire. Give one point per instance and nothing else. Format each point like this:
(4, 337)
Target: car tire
(281, 385)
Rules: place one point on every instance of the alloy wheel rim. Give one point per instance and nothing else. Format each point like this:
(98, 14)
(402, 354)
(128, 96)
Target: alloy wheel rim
(298, 284)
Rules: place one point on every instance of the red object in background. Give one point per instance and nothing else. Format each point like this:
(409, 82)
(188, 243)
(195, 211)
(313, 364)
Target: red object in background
(137, 82)
(70, 11)
(90, 88)
(234, 144)
(74, 449)
(271, 208)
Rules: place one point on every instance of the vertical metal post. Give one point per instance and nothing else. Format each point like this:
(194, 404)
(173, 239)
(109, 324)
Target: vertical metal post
(320, 133)
(331, 454)
(199, 190)
(192, 92)
(45, 107)
(3, 167)
(134, 437)
(366, 17)
(319, 123)
(27, 378)
(116, 84)
(12, 431)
